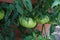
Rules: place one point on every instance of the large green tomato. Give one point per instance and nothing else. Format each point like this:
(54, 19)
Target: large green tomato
(1, 14)
(27, 22)
(43, 20)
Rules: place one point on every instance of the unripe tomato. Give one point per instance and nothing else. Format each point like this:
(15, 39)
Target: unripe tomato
(27, 22)
(1, 14)
(43, 20)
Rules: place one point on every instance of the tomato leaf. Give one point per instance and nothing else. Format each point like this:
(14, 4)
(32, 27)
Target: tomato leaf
(47, 4)
(28, 38)
(27, 4)
(1, 37)
(52, 28)
(19, 9)
(12, 35)
(6, 38)
(55, 3)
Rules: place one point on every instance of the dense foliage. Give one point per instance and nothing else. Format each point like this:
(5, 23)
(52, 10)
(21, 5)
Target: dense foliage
(27, 8)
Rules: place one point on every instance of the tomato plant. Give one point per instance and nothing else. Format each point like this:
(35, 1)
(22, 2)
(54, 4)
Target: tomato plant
(26, 14)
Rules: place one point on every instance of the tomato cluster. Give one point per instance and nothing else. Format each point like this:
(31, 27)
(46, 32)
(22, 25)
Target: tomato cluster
(28, 22)
(31, 23)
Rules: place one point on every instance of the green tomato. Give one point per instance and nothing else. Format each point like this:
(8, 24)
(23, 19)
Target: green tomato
(1, 14)
(27, 22)
(43, 20)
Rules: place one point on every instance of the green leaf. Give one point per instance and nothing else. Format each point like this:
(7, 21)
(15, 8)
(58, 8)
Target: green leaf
(34, 35)
(12, 35)
(52, 28)
(1, 37)
(47, 4)
(20, 3)
(52, 37)
(58, 19)
(7, 23)
(28, 37)
(11, 7)
(15, 15)
(55, 3)
(40, 37)
(7, 15)
(27, 4)
(6, 38)
(4, 5)
(19, 9)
